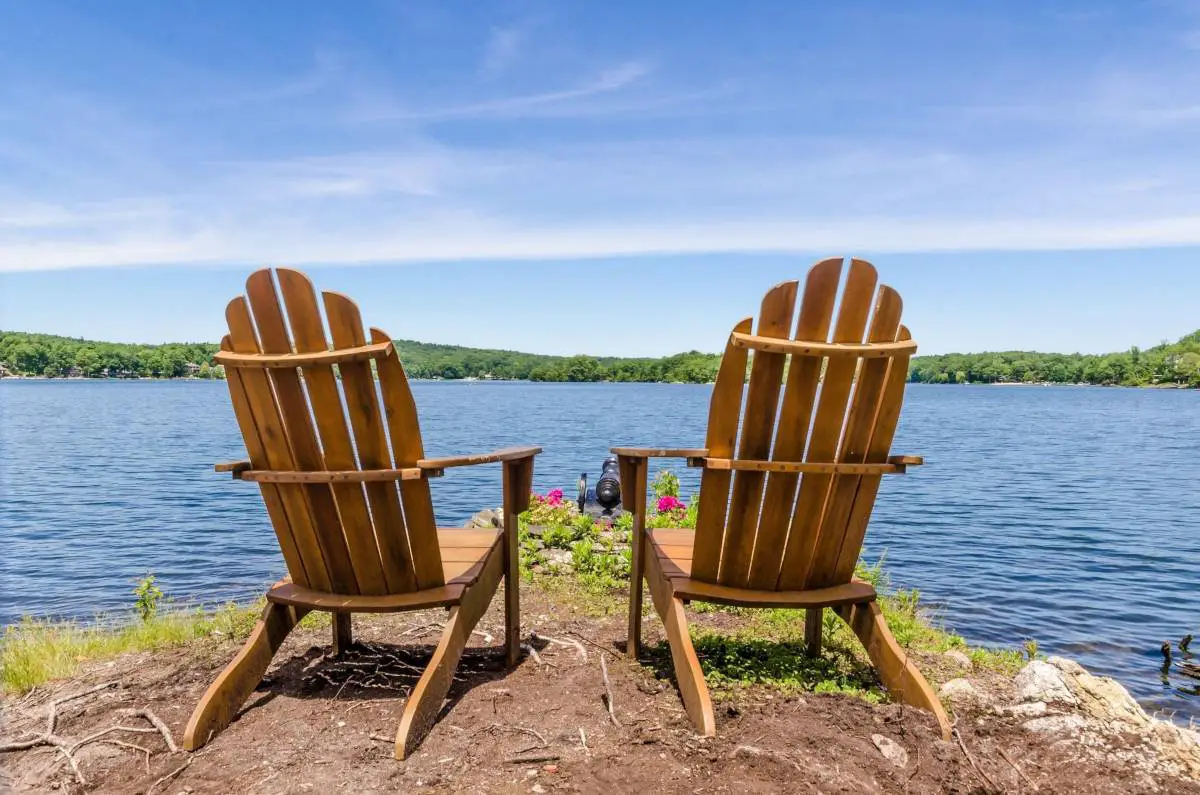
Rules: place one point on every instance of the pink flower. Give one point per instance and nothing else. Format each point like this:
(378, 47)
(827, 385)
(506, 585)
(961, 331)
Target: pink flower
(554, 497)
(668, 504)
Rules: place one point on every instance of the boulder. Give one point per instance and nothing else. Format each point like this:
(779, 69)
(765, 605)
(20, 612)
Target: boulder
(891, 750)
(1041, 681)
(1056, 724)
(958, 658)
(960, 690)
(487, 518)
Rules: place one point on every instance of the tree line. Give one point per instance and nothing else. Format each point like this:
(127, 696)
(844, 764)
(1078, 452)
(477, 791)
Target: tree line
(48, 355)
(1175, 363)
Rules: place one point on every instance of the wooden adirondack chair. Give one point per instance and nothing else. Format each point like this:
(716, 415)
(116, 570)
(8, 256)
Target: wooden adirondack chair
(786, 494)
(352, 541)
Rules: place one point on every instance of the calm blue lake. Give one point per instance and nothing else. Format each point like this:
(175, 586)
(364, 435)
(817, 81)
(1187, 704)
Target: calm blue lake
(1067, 515)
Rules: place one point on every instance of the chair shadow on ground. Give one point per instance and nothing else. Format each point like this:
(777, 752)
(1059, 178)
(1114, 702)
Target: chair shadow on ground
(374, 671)
(732, 659)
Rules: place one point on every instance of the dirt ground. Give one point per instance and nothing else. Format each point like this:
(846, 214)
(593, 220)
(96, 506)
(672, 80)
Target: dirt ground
(321, 725)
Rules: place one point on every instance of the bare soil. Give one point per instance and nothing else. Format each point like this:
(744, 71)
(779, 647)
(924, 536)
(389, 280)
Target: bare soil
(319, 724)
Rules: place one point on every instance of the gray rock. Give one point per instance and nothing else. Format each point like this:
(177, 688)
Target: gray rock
(958, 658)
(1031, 709)
(559, 557)
(1056, 724)
(891, 750)
(960, 690)
(487, 518)
(1041, 681)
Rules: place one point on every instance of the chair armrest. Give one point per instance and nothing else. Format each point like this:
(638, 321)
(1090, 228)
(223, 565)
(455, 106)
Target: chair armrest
(233, 467)
(656, 452)
(894, 465)
(496, 456)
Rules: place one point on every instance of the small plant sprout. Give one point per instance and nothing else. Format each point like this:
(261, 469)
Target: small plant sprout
(146, 594)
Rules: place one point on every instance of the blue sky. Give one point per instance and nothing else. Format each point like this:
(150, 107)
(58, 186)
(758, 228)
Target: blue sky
(621, 178)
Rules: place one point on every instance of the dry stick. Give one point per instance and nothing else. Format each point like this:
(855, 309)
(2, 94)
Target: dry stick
(1020, 772)
(156, 722)
(608, 701)
(169, 776)
(963, 746)
(583, 738)
(382, 739)
(568, 643)
(52, 715)
(529, 760)
(591, 642)
(532, 652)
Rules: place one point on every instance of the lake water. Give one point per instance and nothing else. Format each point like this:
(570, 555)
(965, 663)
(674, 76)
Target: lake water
(1067, 515)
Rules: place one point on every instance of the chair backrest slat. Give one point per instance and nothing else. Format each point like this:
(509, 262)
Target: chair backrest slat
(407, 450)
(724, 411)
(275, 452)
(828, 421)
(841, 404)
(308, 335)
(302, 437)
(758, 425)
(342, 536)
(272, 497)
(362, 404)
(795, 415)
(881, 443)
(860, 423)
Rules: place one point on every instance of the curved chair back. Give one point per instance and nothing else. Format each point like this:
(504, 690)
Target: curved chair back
(329, 451)
(794, 464)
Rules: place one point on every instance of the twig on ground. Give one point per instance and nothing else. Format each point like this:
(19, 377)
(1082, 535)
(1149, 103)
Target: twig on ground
(532, 652)
(568, 643)
(591, 642)
(52, 715)
(1020, 772)
(505, 727)
(487, 636)
(169, 776)
(382, 739)
(155, 721)
(583, 739)
(608, 694)
(530, 760)
(971, 759)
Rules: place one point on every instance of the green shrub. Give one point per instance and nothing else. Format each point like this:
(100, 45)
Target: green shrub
(148, 594)
(665, 484)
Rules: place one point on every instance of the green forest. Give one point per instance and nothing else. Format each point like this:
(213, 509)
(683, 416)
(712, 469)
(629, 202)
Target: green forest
(59, 357)
(1175, 363)
(1169, 363)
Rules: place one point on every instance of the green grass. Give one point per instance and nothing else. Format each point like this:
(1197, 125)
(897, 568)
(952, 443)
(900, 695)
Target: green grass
(34, 651)
(768, 648)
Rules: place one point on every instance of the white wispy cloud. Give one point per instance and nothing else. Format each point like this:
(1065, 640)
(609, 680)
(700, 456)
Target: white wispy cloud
(515, 106)
(637, 157)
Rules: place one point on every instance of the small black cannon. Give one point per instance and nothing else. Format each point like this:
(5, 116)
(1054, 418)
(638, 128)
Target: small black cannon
(606, 497)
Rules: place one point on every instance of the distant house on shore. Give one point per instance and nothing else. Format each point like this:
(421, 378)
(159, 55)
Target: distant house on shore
(192, 369)
(74, 372)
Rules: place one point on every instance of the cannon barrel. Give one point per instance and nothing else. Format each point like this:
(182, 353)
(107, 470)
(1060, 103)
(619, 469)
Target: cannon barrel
(608, 487)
